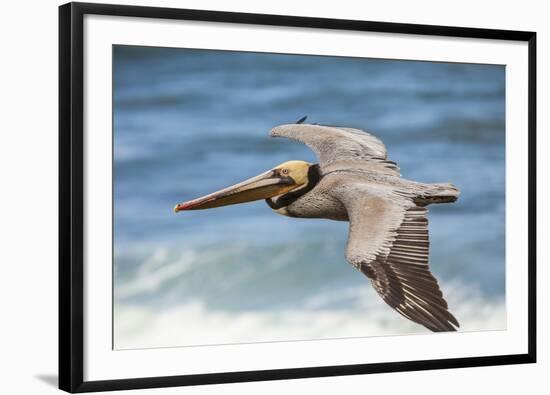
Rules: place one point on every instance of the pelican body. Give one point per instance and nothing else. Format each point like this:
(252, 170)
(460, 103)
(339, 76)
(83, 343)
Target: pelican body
(354, 181)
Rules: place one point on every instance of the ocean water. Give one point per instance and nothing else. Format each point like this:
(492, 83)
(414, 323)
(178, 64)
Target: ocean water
(188, 122)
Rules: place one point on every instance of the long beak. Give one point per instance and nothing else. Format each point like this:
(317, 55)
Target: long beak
(263, 186)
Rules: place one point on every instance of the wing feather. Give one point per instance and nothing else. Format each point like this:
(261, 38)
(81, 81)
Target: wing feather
(341, 145)
(388, 242)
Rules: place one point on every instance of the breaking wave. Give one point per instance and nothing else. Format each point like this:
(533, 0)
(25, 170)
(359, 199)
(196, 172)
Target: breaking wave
(192, 323)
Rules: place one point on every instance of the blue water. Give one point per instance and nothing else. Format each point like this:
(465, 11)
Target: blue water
(188, 122)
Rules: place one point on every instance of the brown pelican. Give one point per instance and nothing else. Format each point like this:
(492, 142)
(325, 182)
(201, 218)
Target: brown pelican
(354, 181)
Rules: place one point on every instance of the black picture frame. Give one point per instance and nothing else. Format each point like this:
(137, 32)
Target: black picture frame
(71, 172)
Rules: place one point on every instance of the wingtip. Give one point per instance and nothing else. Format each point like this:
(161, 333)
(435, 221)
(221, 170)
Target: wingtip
(301, 120)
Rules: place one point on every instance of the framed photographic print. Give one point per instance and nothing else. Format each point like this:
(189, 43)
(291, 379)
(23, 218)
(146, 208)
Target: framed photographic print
(251, 197)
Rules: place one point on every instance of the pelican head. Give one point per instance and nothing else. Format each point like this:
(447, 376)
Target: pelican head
(282, 179)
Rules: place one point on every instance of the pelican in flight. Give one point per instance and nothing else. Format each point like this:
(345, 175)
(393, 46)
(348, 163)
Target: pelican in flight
(354, 181)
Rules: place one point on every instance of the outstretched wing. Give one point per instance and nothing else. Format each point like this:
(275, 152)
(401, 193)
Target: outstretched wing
(388, 242)
(334, 144)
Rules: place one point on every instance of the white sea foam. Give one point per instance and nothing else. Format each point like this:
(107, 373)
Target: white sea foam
(154, 271)
(193, 323)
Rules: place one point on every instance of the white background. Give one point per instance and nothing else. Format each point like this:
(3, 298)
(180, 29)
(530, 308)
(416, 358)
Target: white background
(28, 154)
